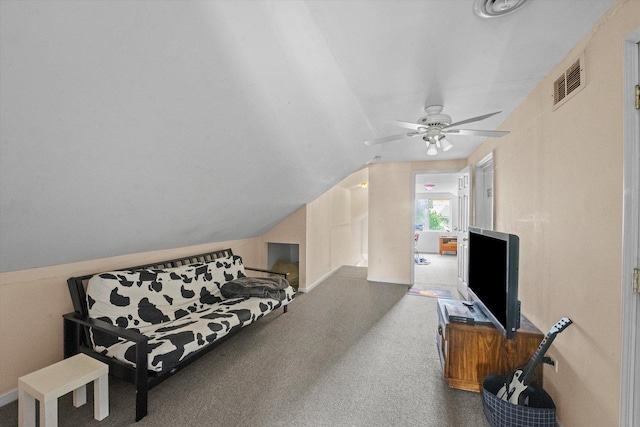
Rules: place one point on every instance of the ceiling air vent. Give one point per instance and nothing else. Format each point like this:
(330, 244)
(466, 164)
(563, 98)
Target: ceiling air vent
(569, 83)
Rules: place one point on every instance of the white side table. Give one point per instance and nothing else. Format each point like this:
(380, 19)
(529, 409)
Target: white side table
(48, 384)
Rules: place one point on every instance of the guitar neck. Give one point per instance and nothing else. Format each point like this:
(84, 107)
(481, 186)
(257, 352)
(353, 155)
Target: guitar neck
(512, 391)
(537, 356)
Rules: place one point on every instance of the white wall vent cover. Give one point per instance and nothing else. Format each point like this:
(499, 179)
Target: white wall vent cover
(569, 83)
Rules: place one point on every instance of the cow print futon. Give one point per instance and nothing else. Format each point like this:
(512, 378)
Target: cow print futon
(180, 310)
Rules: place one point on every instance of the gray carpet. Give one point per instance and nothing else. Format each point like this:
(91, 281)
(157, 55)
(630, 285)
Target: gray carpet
(349, 353)
(442, 270)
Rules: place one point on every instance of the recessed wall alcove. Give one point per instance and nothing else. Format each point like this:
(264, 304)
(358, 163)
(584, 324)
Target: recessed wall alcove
(284, 258)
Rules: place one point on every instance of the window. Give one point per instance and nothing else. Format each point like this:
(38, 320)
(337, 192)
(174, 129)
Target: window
(433, 214)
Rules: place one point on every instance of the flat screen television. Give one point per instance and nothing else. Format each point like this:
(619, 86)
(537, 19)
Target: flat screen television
(493, 277)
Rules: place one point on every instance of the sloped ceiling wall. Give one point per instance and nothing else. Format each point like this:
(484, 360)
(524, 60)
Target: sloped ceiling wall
(131, 126)
(135, 126)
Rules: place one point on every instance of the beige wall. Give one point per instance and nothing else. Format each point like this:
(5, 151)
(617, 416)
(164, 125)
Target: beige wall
(33, 301)
(391, 210)
(558, 185)
(331, 224)
(329, 230)
(334, 229)
(291, 230)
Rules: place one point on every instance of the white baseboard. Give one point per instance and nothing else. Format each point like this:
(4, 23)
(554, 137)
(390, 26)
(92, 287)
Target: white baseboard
(7, 398)
(314, 284)
(395, 282)
(370, 279)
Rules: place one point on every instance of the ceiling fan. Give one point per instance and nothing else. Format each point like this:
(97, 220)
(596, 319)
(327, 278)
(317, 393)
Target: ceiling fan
(433, 127)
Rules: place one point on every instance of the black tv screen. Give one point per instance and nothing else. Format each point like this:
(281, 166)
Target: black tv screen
(493, 277)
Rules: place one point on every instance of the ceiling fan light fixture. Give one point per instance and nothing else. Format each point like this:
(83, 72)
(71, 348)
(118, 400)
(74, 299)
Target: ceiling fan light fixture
(496, 8)
(433, 127)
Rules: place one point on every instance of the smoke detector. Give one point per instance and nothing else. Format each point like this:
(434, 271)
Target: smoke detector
(496, 8)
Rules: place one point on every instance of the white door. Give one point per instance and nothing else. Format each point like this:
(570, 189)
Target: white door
(634, 247)
(630, 378)
(630, 372)
(483, 202)
(464, 214)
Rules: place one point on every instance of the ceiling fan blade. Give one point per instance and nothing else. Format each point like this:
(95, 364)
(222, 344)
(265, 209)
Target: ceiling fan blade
(391, 138)
(470, 132)
(473, 119)
(408, 125)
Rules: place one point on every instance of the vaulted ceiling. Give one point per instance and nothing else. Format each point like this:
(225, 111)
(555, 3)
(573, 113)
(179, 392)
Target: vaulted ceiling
(142, 125)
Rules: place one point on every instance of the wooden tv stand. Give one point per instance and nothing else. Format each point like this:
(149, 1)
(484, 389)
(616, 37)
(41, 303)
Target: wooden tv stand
(469, 353)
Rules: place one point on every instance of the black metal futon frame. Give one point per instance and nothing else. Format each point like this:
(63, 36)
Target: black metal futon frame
(78, 323)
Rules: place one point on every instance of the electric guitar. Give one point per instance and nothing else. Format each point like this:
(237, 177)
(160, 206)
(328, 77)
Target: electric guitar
(517, 389)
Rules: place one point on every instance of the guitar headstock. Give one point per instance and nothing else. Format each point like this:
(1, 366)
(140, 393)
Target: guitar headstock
(560, 326)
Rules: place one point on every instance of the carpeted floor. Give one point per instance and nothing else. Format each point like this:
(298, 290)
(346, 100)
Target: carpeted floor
(442, 271)
(349, 353)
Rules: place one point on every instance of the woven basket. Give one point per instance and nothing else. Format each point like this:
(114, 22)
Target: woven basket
(541, 411)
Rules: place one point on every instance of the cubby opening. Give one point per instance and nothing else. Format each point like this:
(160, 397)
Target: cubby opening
(285, 258)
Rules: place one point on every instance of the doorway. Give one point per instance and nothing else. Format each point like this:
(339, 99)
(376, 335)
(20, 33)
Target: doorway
(435, 221)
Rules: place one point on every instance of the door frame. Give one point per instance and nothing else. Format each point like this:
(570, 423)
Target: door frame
(630, 364)
(413, 207)
(481, 203)
(465, 219)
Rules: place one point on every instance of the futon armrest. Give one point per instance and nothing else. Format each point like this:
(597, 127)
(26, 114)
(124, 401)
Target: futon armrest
(105, 327)
(261, 270)
(76, 324)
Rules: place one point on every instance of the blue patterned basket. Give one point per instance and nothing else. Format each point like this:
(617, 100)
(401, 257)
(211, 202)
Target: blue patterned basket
(541, 413)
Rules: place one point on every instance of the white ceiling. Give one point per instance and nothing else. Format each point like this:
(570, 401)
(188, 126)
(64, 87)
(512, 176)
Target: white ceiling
(399, 56)
(142, 125)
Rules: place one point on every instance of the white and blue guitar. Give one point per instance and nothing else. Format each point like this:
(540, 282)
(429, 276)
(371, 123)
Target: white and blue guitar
(517, 389)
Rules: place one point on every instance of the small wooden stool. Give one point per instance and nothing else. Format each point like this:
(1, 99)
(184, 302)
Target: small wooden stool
(48, 384)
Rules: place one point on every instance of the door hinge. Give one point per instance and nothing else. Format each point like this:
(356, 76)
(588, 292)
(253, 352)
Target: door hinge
(637, 97)
(636, 280)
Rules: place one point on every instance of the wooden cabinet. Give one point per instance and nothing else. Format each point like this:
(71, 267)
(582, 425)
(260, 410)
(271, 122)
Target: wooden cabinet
(448, 244)
(469, 353)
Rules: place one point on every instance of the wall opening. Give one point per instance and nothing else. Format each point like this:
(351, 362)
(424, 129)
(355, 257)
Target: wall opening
(285, 258)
